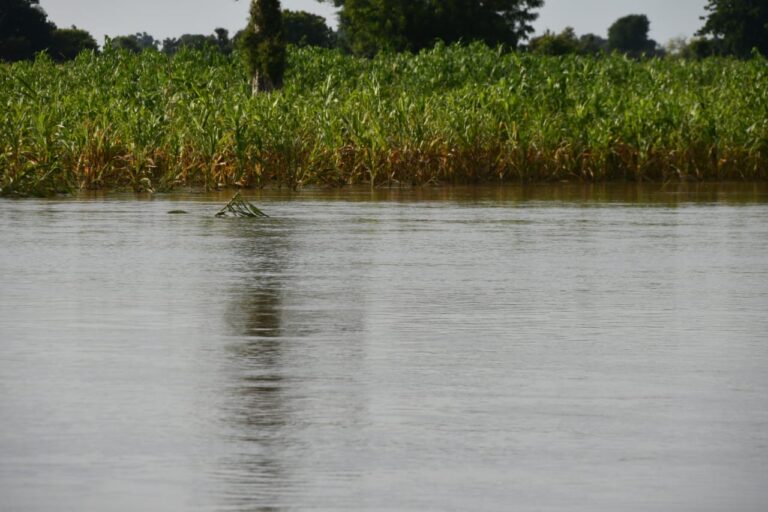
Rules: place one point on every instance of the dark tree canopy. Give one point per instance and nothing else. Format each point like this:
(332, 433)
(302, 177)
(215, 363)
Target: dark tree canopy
(741, 24)
(369, 26)
(566, 42)
(550, 43)
(223, 42)
(67, 43)
(24, 29)
(135, 43)
(301, 28)
(592, 44)
(172, 45)
(219, 40)
(630, 35)
(703, 48)
(505, 22)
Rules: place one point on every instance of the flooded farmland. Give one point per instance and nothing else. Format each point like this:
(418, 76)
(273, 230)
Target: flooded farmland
(553, 348)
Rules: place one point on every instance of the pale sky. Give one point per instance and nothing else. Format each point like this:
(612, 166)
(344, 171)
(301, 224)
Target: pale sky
(170, 18)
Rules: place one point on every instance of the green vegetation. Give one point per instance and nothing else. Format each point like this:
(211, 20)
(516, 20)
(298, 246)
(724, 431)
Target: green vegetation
(448, 115)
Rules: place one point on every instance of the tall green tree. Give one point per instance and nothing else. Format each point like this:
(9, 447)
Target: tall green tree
(630, 35)
(24, 29)
(370, 26)
(741, 24)
(264, 45)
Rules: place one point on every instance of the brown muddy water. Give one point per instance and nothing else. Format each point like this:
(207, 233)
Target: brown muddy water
(563, 348)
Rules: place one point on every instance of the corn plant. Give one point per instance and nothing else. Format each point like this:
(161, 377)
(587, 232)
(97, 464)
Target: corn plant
(453, 114)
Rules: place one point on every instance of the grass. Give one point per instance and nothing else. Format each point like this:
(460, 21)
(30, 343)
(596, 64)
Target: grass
(150, 122)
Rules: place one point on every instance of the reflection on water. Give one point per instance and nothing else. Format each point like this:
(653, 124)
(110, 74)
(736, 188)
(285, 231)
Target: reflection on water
(564, 347)
(259, 408)
(273, 310)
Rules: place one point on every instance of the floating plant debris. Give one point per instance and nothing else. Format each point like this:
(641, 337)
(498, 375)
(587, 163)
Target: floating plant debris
(239, 207)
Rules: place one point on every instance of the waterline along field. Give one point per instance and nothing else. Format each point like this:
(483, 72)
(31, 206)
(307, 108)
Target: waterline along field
(150, 122)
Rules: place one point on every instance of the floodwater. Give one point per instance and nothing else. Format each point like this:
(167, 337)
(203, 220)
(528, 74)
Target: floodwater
(554, 348)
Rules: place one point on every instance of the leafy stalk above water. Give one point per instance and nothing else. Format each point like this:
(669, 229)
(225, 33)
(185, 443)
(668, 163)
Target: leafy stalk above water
(239, 207)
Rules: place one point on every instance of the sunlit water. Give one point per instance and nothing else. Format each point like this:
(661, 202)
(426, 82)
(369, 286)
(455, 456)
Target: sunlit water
(549, 348)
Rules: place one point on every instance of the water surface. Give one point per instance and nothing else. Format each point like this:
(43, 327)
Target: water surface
(558, 348)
